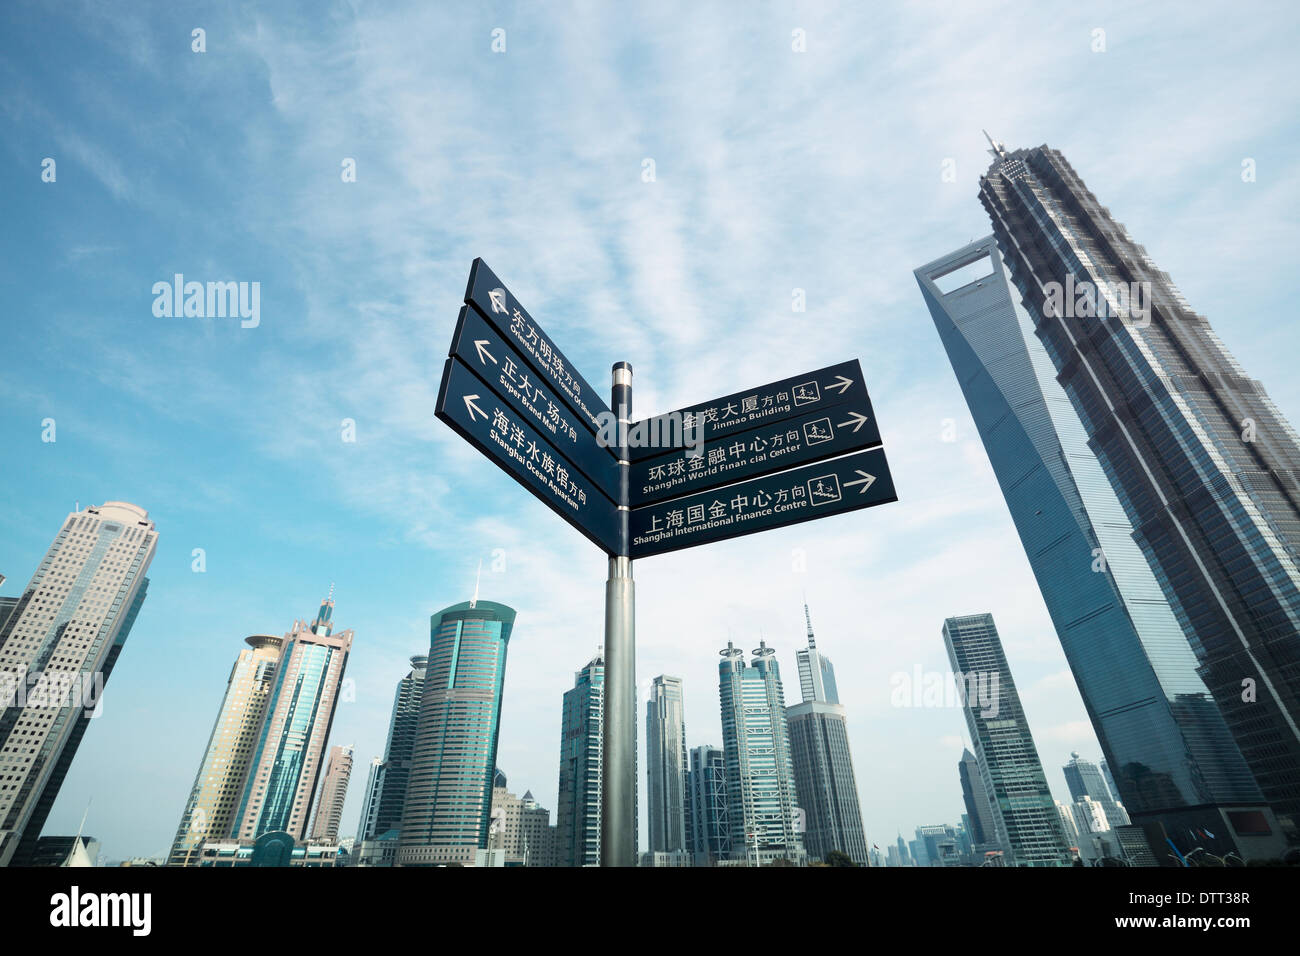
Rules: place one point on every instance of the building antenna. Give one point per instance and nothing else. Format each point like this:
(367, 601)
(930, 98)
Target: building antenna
(473, 602)
(999, 151)
(812, 643)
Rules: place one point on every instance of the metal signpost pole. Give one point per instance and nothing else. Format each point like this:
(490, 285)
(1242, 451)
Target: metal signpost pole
(617, 801)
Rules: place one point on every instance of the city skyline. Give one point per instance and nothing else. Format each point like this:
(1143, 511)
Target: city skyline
(228, 438)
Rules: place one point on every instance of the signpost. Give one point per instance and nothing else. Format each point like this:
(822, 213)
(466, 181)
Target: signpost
(800, 448)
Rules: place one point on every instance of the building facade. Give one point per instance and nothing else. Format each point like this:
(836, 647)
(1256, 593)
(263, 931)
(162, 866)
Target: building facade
(983, 831)
(577, 820)
(218, 786)
(58, 646)
(449, 794)
(1025, 819)
(1206, 467)
(708, 832)
(333, 794)
(390, 778)
(1084, 779)
(665, 725)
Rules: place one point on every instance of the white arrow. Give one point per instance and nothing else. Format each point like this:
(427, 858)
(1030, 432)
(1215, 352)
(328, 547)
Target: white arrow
(865, 481)
(841, 383)
(857, 420)
(481, 345)
(469, 404)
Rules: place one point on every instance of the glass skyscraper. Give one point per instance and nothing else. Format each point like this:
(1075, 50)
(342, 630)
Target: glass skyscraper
(58, 647)
(1084, 779)
(1204, 464)
(665, 725)
(287, 760)
(577, 819)
(1025, 820)
(449, 793)
(388, 788)
(823, 765)
(708, 834)
(1135, 671)
(756, 744)
(983, 831)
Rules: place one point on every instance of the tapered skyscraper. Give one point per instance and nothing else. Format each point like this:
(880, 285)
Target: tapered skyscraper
(823, 765)
(756, 744)
(333, 794)
(665, 723)
(286, 761)
(58, 646)
(1136, 672)
(219, 784)
(1025, 820)
(983, 831)
(449, 793)
(386, 792)
(1206, 467)
(577, 818)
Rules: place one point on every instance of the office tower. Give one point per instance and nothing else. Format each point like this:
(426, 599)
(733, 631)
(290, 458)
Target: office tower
(916, 850)
(577, 817)
(333, 794)
(761, 800)
(940, 842)
(453, 760)
(1136, 673)
(210, 811)
(665, 727)
(708, 835)
(1205, 465)
(1066, 813)
(1085, 780)
(520, 828)
(823, 765)
(395, 769)
(983, 831)
(58, 647)
(370, 802)
(1026, 824)
(904, 857)
(286, 762)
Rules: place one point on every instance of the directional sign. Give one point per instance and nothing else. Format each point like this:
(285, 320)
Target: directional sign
(810, 491)
(777, 401)
(515, 383)
(824, 433)
(504, 313)
(503, 434)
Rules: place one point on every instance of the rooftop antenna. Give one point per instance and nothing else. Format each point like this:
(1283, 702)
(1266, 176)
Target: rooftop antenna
(999, 150)
(473, 602)
(812, 643)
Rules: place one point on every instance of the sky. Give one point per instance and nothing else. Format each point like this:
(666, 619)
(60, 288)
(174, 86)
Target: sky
(835, 169)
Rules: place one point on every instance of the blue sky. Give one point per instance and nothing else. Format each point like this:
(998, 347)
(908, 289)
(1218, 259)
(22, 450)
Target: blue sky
(775, 170)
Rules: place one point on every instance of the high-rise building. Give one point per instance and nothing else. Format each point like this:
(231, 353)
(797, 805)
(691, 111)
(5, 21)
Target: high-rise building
(449, 793)
(823, 765)
(756, 743)
(1135, 671)
(219, 784)
(577, 818)
(286, 761)
(1085, 780)
(1206, 467)
(370, 802)
(904, 857)
(58, 646)
(333, 794)
(385, 813)
(1025, 820)
(520, 829)
(983, 831)
(708, 834)
(665, 725)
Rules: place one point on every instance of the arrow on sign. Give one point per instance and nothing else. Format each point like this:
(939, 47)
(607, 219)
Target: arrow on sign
(865, 481)
(857, 420)
(841, 383)
(472, 408)
(481, 345)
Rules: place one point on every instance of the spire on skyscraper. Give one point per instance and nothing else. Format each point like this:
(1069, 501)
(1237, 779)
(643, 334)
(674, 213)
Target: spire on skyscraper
(807, 617)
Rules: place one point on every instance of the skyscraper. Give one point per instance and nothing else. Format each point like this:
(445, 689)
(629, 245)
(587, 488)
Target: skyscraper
(665, 725)
(1024, 814)
(1206, 467)
(286, 762)
(823, 765)
(333, 794)
(1136, 673)
(370, 802)
(521, 828)
(395, 769)
(210, 811)
(449, 794)
(708, 834)
(58, 647)
(756, 744)
(1085, 780)
(577, 818)
(983, 830)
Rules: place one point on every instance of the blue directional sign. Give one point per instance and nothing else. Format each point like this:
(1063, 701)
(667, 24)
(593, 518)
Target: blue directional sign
(859, 480)
(820, 434)
(494, 302)
(484, 351)
(505, 435)
(823, 389)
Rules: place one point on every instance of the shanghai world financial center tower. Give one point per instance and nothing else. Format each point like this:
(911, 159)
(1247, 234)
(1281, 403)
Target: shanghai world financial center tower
(1155, 490)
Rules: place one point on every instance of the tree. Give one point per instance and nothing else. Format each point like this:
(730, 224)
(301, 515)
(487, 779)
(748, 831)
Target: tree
(839, 858)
